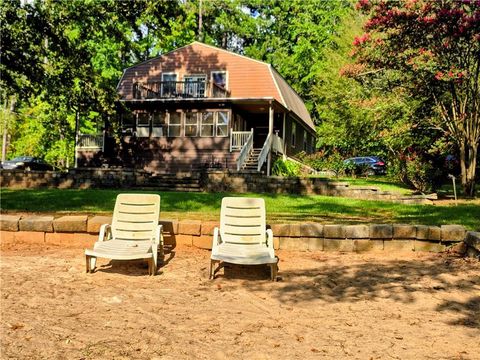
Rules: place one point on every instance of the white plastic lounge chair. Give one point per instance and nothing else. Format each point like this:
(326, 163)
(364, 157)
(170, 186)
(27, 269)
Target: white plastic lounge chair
(134, 233)
(242, 237)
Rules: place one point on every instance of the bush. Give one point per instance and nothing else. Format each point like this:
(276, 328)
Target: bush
(286, 168)
(421, 174)
(320, 161)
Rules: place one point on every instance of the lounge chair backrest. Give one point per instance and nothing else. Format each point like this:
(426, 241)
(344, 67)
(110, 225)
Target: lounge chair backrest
(242, 220)
(135, 216)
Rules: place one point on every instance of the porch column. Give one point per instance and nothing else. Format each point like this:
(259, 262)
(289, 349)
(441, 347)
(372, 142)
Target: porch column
(270, 134)
(77, 129)
(284, 136)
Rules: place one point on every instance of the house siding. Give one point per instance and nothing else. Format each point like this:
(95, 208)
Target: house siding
(184, 154)
(247, 78)
(253, 88)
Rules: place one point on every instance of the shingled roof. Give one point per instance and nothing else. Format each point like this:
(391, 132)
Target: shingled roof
(248, 78)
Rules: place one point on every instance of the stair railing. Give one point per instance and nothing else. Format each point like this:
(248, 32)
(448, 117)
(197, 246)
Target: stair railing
(245, 152)
(262, 157)
(277, 144)
(238, 139)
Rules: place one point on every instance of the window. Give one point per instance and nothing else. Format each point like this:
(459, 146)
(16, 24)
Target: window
(159, 124)
(313, 144)
(143, 119)
(222, 123)
(305, 143)
(195, 85)
(137, 91)
(143, 124)
(174, 124)
(169, 84)
(219, 78)
(206, 127)
(127, 120)
(191, 123)
(294, 135)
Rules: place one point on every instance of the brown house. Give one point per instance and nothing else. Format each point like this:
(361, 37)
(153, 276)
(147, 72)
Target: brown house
(201, 106)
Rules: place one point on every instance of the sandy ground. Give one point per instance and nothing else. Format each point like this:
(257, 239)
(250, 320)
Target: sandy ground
(326, 305)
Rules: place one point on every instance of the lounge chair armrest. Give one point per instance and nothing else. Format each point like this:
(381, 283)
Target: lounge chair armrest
(105, 232)
(158, 235)
(270, 242)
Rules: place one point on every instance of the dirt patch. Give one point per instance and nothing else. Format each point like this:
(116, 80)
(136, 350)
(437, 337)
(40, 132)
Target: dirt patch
(327, 305)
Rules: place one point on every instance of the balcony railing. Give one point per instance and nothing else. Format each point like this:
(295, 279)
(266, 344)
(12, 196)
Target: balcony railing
(178, 89)
(90, 142)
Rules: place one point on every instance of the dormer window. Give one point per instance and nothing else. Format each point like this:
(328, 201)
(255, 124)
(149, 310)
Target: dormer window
(219, 78)
(169, 85)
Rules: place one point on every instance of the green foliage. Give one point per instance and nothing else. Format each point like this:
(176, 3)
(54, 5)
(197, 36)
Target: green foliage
(292, 36)
(281, 208)
(432, 48)
(321, 161)
(422, 174)
(286, 168)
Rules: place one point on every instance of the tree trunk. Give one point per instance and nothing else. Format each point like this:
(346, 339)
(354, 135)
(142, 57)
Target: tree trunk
(468, 162)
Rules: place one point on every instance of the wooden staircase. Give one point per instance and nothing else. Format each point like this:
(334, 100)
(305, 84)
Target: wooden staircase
(174, 182)
(251, 164)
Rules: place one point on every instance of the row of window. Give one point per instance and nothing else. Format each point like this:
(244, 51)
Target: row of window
(207, 123)
(306, 146)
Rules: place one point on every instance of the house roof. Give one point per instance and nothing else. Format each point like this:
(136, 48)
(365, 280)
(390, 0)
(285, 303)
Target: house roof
(247, 78)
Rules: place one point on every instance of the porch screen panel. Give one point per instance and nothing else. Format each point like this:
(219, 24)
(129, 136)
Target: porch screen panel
(143, 124)
(127, 120)
(207, 124)
(191, 123)
(159, 124)
(294, 134)
(222, 123)
(175, 124)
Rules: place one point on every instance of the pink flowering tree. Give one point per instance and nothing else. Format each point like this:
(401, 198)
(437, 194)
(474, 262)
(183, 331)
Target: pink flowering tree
(434, 48)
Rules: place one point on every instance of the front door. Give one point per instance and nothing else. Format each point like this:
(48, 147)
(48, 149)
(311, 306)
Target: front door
(195, 85)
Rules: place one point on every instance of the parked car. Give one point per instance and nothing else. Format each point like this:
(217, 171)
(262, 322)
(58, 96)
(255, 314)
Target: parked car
(26, 163)
(368, 165)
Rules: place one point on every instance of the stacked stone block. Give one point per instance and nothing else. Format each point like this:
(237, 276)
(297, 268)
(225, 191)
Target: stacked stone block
(310, 236)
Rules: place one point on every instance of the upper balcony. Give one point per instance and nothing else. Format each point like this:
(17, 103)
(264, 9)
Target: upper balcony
(178, 90)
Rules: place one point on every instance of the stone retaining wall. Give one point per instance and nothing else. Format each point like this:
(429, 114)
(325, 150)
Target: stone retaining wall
(82, 230)
(472, 244)
(211, 181)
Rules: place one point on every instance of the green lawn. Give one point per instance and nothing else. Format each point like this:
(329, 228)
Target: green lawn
(380, 182)
(280, 208)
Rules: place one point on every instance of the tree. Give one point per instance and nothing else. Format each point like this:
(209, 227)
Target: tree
(434, 49)
(292, 36)
(62, 57)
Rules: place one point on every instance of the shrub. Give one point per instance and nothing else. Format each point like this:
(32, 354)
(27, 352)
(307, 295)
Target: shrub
(422, 174)
(286, 168)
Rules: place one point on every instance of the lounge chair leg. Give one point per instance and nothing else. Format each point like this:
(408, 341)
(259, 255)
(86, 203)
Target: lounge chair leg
(273, 271)
(91, 262)
(212, 270)
(154, 267)
(149, 262)
(161, 251)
